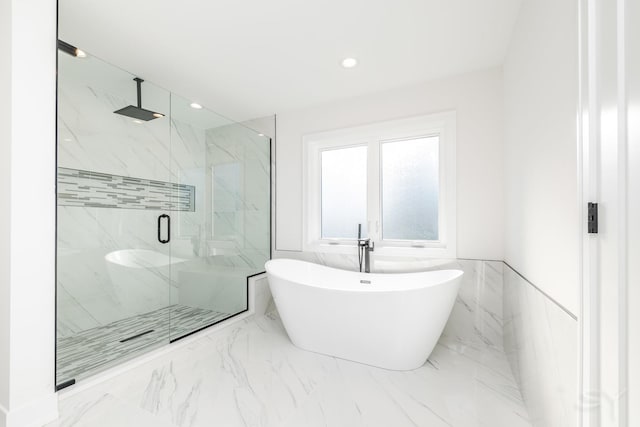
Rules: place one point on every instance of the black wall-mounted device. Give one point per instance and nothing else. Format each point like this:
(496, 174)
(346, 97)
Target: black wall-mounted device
(592, 218)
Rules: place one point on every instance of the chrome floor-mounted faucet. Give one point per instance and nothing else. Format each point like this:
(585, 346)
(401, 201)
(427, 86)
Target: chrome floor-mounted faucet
(365, 247)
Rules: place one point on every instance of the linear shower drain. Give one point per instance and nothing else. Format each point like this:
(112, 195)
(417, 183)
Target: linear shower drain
(137, 336)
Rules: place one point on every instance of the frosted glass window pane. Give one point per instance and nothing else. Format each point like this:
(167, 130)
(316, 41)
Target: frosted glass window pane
(344, 192)
(410, 186)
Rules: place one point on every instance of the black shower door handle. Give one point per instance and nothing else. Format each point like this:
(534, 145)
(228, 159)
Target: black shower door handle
(160, 239)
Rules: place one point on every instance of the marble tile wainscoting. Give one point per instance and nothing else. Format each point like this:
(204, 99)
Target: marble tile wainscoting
(541, 342)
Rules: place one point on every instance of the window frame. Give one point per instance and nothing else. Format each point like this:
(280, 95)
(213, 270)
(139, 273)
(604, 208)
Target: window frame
(373, 136)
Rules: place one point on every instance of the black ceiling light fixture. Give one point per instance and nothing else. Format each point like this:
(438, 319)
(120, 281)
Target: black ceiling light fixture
(137, 112)
(70, 49)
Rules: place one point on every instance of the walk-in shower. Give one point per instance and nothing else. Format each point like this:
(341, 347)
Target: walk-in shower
(160, 222)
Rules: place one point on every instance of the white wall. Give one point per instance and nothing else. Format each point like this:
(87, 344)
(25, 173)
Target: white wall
(5, 191)
(540, 90)
(633, 212)
(27, 218)
(477, 99)
(633, 192)
(541, 207)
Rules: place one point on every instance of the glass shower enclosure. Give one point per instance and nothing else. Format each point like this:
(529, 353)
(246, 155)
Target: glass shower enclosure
(160, 222)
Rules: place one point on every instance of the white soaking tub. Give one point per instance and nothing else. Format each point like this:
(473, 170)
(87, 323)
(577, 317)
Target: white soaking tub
(392, 321)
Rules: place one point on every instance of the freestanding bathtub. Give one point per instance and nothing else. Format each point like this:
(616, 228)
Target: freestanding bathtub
(392, 321)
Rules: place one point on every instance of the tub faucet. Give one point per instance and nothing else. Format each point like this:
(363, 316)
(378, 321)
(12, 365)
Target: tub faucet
(365, 247)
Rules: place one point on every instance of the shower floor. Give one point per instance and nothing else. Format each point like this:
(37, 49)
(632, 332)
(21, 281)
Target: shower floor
(97, 347)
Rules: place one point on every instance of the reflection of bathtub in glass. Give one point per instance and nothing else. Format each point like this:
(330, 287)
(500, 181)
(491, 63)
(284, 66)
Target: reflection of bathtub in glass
(145, 280)
(214, 283)
(141, 279)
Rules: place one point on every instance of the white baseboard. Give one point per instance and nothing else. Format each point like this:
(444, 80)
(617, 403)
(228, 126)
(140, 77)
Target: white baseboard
(34, 414)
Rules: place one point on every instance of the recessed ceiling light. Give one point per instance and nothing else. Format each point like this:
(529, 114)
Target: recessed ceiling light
(80, 53)
(68, 139)
(137, 121)
(349, 62)
(261, 134)
(196, 106)
(158, 115)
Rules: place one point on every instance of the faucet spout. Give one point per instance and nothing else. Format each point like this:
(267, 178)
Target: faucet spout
(367, 258)
(365, 247)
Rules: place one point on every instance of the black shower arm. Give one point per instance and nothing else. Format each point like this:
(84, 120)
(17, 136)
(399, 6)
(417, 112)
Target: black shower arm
(139, 85)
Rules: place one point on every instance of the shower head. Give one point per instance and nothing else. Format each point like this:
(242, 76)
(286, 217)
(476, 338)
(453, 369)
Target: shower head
(137, 112)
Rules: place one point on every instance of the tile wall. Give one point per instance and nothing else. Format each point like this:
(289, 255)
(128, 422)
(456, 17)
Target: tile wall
(541, 342)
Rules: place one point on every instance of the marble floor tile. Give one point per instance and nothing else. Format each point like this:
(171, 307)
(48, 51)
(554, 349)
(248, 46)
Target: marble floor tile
(106, 411)
(250, 374)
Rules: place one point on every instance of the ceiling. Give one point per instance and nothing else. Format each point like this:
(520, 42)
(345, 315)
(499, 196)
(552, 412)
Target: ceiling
(251, 58)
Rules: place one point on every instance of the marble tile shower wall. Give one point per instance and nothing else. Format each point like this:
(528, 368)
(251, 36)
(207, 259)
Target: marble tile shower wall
(228, 165)
(93, 138)
(240, 171)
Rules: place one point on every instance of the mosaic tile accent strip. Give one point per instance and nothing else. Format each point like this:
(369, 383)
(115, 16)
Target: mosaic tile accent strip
(100, 190)
(99, 347)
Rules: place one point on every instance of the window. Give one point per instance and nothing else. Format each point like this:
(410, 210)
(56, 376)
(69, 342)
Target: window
(410, 189)
(344, 191)
(395, 178)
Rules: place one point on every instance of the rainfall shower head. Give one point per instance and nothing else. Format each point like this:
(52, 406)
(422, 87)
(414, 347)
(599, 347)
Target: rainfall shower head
(139, 112)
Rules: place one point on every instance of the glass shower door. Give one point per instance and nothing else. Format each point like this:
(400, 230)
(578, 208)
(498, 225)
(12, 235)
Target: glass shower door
(116, 199)
(226, 237)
